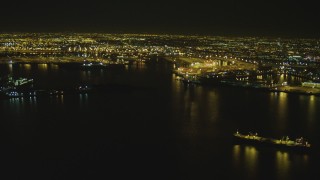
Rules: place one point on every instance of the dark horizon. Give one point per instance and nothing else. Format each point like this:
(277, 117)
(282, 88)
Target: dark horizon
(220, 18)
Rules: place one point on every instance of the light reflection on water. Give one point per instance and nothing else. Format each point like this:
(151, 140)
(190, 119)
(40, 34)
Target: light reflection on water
(27, 67)
(54, 67)
(282, 164)
(247, 158)
(83, 100)
(237, 155)
(18, 107)
(10, 68)
(282, 109)
(251, 159)
(311, 108)
(57, 100)
(17, 104)
(289, 163)
(86, 75)
(285, 112)
(43, 67)
(213, 104)
(286, 163)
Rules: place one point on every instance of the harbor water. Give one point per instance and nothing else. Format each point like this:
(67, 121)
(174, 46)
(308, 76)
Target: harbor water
(148, 125)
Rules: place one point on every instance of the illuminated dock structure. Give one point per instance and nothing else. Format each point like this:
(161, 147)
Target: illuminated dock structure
(311, 84)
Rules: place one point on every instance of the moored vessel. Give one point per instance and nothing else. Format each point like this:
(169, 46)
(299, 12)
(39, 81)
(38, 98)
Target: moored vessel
(284, 142)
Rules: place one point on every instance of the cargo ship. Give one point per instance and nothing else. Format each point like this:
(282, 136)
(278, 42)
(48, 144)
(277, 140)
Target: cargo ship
(284, 142)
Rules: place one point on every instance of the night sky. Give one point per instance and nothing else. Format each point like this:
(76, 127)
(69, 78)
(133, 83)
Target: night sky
(223, 17)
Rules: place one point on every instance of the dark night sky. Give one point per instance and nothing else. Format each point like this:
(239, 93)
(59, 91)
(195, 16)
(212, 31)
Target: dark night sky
(223, 17)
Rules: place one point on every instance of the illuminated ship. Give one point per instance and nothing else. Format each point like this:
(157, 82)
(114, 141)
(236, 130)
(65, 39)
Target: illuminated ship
(10, 83)
(284, 142)
(10, 87)
(92, 65)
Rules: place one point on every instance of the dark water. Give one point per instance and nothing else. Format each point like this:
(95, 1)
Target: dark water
(153, 128)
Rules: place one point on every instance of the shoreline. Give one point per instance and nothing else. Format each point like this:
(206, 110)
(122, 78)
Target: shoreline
(41, 60)
(65, 60)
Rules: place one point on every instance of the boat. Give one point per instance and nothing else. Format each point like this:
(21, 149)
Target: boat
(84, 89)
(284, 142)
(9, 83)
(190, 81)
(93, 65)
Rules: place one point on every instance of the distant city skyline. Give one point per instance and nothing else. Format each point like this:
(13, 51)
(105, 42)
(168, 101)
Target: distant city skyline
(229, 17)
